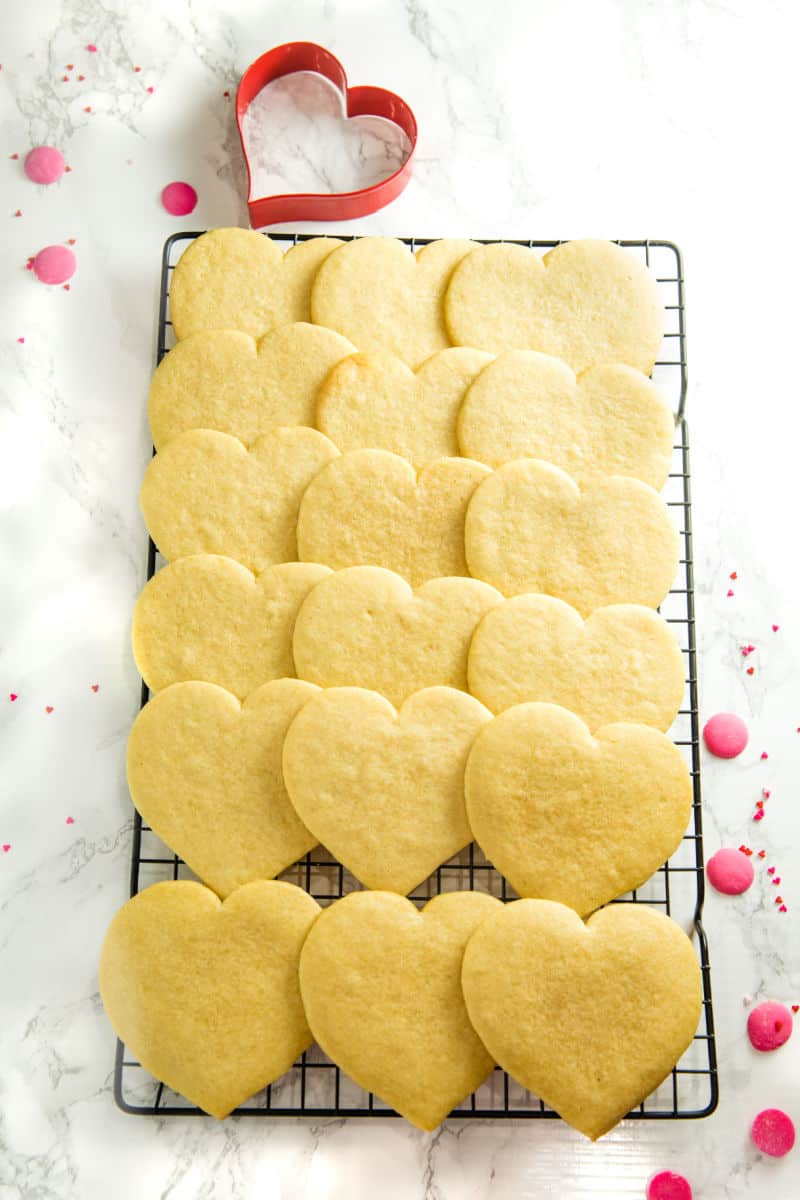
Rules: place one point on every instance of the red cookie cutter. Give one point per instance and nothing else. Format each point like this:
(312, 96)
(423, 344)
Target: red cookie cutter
(359, 102)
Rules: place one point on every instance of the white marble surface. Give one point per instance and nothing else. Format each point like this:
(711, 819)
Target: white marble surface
(673, 118)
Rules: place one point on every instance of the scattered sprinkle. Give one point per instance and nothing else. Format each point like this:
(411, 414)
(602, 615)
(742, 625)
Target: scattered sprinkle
(13, 696)
(751, 670)
(6, 847)
(796, 1008)
(92, 48)
(81, 78)
(779, 899)
(766, 793)
(759, 803)
(88, 108)
(151, 90)
(733, 575)
(13, 156)
(95, 687)
(70, 821)
(764, 755)
(67, 169)
(762, 854)
(21, 341)
(776, 880)
(48, 708)
(70, 241)
(747, 650)
(759, 816)
(770, 870)
(137, 69)
(730, 592)
(227, 95)
(65, 287)
(782, 908)
(775, 628)
(65, 78)
(746, 850)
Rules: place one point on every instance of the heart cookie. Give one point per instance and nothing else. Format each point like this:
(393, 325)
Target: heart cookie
(529, 528)
(205, 773)
(381, 984)
(589, 1017)
(209, 618)
(611, 420)
(382, 789)
(622, 664)
(236, 279)
(371, 507)
(376, 401)
(572, 817)
(379, 295)
(225, 380)
(588, 302)
(206, 493)
(365, 627)
(205, 994)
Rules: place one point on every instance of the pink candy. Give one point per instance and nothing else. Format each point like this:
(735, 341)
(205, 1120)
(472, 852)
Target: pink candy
(773, 1132)
(730, 871)
(54, 264)
(769, 1025)
(179, 199)
(44, 164)
(725, 735)
(666, 1185)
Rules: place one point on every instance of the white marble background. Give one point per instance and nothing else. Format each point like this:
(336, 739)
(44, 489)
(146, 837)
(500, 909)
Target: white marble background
(667, 118)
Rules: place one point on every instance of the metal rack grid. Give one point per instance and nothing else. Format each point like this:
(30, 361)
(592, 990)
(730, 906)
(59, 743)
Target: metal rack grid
(314, 1086)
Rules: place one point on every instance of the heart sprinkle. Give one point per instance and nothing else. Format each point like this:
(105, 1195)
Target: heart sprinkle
(751, 670)
(730, 592)
(48, 708)
(770, 870)
(70, 821)
(733, 575)
(6, 847)
(795, 1008)
(762, 854)
(782, 908)
(776, 880)
(95, 687)
(13, 696)
(766, 793)
(747, 650)
(22, 342)
(775, 628)
(92, 48)
(759, 816)
(150, 90)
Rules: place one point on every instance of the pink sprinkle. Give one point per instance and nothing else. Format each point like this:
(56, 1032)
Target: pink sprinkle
(759, 816)
(48, 709)
(95, 687)
(13, 696)
(775, 628)
(773, 1132)
(21, 341)
(18, 213)
(54, 264)
(70, 821)
(766, 793)
(776, 880)
(179, 199)
(6, 847)
(65, 78)
(67, 170)
(747, 650)
(770, 870)
(91, 48)
(730, 592)
(730, 872)
(782, 908)
(70, 66)
(88, 108)
(764, 755)
(666, 1185)
(151, 90)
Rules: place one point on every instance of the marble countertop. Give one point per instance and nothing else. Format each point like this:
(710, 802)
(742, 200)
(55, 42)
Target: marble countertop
(610, 118)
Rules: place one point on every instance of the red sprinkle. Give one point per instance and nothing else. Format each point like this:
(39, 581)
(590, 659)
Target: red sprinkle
(779, 899)
(70, 821)
(18, 213)
(92, 48)
(733, 575)
(95, 687)
(151, 90)
(796, 1008)
(227, 95)
(775, 628)
(766, 793)
(782, 908)
(13, 156)
(137, 69)
(759, 816)
(751, 670)
(764, 755)
(12, 696)
(65, 78)
(48, 708)
(66, 287)
(776, 880)
(67, 169)
(759, 803)
(88, 108)
(70, 66)
(770, 870)
(762, 854)
(70, 241)
(81, 78)
(6, 847)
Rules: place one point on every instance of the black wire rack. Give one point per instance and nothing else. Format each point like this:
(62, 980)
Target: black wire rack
(314, 1086)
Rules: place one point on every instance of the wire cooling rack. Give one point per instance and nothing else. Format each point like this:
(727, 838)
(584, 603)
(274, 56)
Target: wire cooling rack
(314, 1086)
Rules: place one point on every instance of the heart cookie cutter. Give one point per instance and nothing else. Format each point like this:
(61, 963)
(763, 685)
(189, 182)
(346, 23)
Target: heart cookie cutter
(358, 102)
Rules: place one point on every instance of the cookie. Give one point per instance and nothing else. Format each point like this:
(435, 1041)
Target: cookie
(209, 618)
(205, 994)
(611, 420)
(237, 279)
(365, 627)
(589, 1017)
(370, 507)
(381, 984)
(384, 790)
(379, 295)
(375, 401)
(530, 528)
(206, 493)
(225, 380)
(587, 302)
(572, 817)
(623, 663)
(205, 772)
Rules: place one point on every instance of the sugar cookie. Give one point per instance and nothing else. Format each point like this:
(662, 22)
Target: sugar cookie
(209, 618)
(529, 528)
(381, 296)
(587, 301)
(365, 627)
(623, 663)
(589, 1017)
(375, 401)
(371, 507)
(571, 817)
(225, 380)
(381, 983)
(205, 773)
(238, 279)
(611, 420)
(384, 790)
(206, 493)
(205, 994)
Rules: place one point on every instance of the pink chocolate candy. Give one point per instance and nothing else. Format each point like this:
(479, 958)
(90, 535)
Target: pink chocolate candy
(725, 735)
(54, 264)
(769, 1025)
(666, 1185)
(44, 164)
(179, 199)
(773, 1132)
(730, 871)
